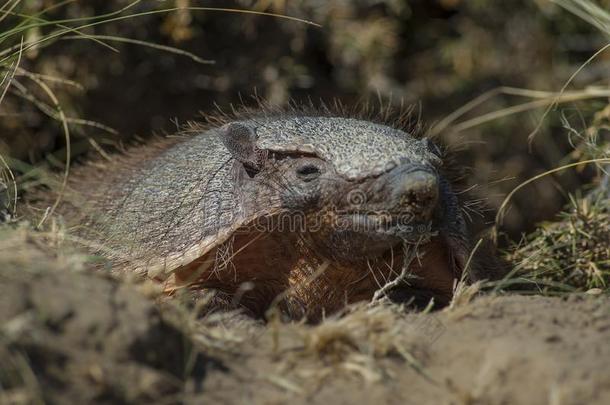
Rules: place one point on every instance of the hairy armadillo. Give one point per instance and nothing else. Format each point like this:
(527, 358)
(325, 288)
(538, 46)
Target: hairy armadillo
(301, 212)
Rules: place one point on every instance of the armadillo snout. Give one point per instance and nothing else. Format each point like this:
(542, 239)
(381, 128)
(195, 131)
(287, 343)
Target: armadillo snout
(414, 190)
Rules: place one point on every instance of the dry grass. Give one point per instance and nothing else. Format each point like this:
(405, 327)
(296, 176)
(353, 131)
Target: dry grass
(572, 254)
(358, 341)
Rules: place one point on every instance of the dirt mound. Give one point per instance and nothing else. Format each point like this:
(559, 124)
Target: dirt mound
(500, 350)
(70, 336)
(77, 338)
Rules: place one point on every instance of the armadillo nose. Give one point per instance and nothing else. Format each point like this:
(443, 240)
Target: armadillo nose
(417, 188)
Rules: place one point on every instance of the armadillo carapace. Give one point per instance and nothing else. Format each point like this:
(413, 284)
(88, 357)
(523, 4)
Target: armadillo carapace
(302, 213)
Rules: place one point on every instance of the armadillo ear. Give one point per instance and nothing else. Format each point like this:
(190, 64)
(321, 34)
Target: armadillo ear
(240, 140)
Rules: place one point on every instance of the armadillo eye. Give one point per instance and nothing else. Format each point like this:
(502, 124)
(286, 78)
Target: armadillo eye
(308, 172)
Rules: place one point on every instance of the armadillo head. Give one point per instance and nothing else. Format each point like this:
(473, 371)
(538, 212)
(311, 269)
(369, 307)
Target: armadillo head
(352, 188)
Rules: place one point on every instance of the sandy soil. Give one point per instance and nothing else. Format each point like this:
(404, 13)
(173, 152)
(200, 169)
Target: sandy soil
(70, 337)
(496, 350)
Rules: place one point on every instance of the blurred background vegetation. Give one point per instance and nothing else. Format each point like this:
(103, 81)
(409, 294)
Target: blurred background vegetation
(123, 69)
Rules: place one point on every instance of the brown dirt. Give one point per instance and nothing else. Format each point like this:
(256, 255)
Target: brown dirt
(500, 350)
(75, 337)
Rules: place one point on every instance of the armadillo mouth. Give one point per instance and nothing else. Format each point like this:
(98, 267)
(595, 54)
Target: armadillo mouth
(382, 224)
